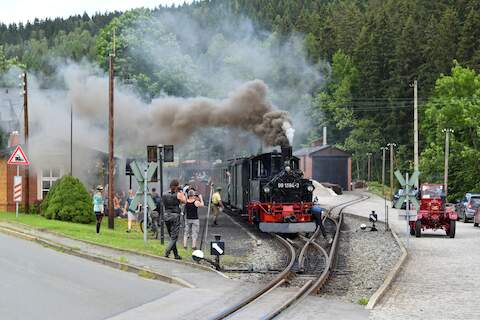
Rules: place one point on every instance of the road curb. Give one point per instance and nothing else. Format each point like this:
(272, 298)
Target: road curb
(378, 295)
(182, 262)
(147, 273)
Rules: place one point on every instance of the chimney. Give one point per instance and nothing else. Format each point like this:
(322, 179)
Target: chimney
(14, 139)
(324, 136)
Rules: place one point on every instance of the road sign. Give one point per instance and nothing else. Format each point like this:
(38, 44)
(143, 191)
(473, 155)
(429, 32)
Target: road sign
(142, 192)
(409, 194)
(217, 248)
(17, 188)
(18, 157)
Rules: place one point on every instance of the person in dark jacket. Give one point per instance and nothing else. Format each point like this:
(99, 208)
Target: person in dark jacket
(171, 201)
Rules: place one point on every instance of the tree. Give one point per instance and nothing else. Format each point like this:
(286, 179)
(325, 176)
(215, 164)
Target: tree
(469, 46)
(68, 200)
(455, 104)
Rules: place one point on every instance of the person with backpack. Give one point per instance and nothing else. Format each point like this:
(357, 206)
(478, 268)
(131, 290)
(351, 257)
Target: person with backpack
(192, 223)
(171, 201)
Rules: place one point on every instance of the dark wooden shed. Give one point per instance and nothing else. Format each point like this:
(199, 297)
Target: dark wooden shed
(326, 164)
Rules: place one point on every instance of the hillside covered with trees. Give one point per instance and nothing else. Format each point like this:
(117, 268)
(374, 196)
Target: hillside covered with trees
(367, 51)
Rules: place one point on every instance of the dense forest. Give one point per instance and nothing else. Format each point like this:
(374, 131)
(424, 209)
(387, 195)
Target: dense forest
(368, 52)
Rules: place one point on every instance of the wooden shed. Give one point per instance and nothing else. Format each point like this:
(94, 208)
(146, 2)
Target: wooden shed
(326, 164)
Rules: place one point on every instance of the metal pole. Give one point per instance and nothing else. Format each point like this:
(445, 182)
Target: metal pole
(25, 126)
(415, 129)
(71, 139)
(16, 202)
(391, 145)
(160, 189)
(111, 164)
(447, 151)
(383, 185)
(145, 188)
(204, 239)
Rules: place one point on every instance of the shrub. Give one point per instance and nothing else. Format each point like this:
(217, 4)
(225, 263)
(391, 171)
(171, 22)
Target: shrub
(68, 200)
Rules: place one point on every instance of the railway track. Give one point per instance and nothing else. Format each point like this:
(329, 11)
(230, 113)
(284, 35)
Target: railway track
(314, 281)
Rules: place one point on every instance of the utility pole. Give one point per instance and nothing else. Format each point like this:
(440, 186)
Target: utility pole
(25, 131)
(111, 164)
(415, 129)
(384, 149)
(369, 168)
(391, 146)
(447, 132)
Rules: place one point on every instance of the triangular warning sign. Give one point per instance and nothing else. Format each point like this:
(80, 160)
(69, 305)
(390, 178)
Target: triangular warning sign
(18, 157)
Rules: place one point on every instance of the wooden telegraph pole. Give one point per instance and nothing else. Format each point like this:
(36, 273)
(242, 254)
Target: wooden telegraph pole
(447, 132)
(111, 163)
(25, 131)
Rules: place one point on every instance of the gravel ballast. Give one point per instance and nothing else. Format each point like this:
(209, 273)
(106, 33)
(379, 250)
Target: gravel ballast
(364, 260)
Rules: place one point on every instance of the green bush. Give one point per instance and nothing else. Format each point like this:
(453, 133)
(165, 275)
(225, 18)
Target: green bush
(68, 200)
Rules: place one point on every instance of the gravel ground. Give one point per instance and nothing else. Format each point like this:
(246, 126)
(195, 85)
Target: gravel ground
(364, 260)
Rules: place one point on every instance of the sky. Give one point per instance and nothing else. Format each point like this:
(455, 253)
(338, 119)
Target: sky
(24, 10)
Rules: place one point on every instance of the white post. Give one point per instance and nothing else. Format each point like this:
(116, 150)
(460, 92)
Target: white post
(16, 202)
(324, 136)
(145, 182)
(415, 130)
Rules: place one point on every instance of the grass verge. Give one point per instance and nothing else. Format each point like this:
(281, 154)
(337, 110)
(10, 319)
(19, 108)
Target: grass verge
(379, 190)
(117, 238)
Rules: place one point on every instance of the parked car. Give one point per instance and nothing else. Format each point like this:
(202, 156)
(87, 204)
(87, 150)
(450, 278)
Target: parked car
(397, 196)
(467, 206)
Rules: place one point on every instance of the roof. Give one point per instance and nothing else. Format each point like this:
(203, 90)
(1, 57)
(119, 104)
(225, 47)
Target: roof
(310, 151)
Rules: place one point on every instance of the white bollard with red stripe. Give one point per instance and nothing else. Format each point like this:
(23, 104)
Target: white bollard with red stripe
(17, 192)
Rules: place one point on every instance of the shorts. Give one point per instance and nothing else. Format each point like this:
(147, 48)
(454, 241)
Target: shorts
(192, 226)
(132, 215)
(98, 213)
(216, 210)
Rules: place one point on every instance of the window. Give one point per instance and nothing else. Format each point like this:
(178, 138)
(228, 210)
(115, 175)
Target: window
(49, 176)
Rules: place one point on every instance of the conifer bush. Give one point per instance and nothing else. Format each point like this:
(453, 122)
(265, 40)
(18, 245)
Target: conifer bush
(68, 200)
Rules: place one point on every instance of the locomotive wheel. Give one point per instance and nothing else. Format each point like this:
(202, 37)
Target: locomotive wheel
(451, 232)
(418, 228)
(475, 224)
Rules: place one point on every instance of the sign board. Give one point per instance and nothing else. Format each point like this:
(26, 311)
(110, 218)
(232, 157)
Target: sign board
(18, 157)
(409, 192)
(17, 189)
(217, 248)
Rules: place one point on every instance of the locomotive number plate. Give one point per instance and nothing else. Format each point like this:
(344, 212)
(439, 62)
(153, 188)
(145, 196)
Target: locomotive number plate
(288, 185)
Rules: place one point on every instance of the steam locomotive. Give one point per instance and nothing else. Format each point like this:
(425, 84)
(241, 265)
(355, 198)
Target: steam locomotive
(268, 189)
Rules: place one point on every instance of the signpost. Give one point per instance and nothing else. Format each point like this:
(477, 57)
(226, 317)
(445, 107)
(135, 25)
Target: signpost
(160, 154)
(408, 196)
(18, 158)
(142, 192)
(217, 249)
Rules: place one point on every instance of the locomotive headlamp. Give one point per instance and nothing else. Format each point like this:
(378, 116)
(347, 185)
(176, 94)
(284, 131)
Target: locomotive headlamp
(266, 189)
(287, 168)
(310, 188)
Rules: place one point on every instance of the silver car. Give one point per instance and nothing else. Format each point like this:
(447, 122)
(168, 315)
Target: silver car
(467, 206)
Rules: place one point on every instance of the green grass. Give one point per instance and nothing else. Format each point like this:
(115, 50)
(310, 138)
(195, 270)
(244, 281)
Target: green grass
(363, 301)
(377, 188)
(117, 238)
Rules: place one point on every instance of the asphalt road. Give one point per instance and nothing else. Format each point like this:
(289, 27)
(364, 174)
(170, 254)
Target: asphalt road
(40, 283)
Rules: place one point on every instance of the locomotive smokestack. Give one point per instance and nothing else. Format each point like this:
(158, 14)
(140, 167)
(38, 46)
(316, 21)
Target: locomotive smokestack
(286, 153)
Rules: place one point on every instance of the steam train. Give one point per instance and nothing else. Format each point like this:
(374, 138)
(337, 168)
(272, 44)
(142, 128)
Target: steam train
(268, 189)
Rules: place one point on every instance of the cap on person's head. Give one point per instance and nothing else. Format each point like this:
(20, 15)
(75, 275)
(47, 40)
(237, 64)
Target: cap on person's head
(191, 193)
(218, 188)
(99, 187)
